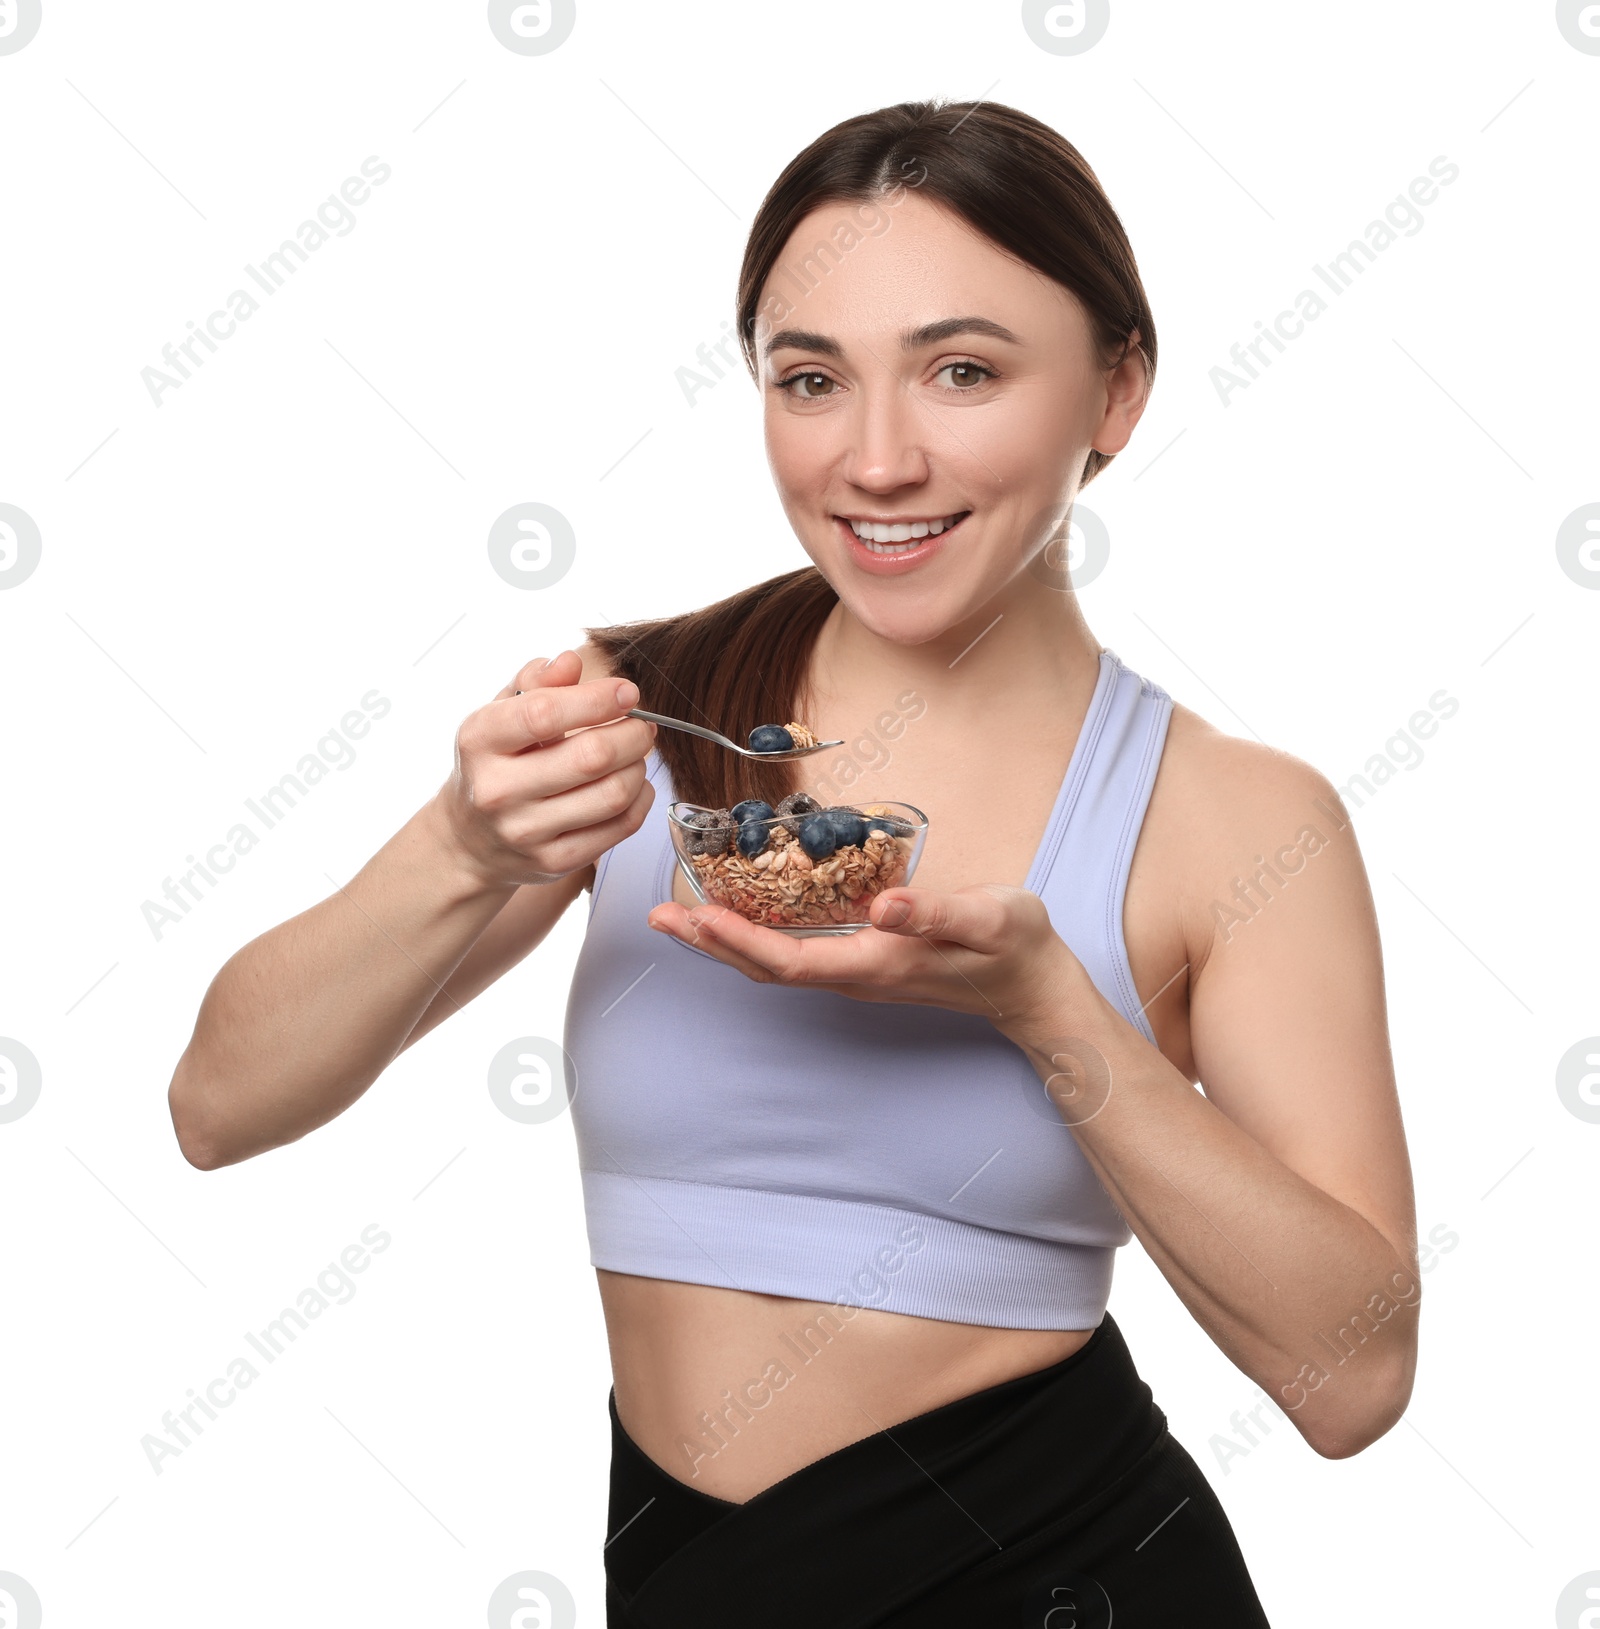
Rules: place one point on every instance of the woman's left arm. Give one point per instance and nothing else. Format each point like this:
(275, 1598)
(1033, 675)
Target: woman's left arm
(1278, 1204)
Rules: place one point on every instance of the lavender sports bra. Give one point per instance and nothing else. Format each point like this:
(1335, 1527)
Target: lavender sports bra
(801, 1143)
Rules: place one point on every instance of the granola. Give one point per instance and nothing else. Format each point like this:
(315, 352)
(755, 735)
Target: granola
(783, 886)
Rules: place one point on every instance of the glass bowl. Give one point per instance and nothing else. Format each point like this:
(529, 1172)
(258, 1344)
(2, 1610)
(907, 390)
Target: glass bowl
(777, 873)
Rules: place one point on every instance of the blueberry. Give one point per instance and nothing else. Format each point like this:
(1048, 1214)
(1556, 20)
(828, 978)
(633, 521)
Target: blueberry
(818, 835)
(770, 738)
(751, 809)
(848, 828)
(753, 838)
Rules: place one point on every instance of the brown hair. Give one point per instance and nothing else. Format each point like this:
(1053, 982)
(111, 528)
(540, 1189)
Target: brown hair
(742, 661)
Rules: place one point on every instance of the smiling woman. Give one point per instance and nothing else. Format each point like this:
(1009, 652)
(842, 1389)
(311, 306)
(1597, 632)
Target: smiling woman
(855, 1202)
(1003, 1062)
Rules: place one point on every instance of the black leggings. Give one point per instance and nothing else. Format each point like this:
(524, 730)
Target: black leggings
(1058, 1500)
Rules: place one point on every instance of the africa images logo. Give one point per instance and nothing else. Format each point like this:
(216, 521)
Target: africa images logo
(21, 1081)
(20, 1607)
(532, 28)
(20, 545)
(19, 22)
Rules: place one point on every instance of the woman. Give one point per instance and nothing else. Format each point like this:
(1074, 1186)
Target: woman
(854, 1202)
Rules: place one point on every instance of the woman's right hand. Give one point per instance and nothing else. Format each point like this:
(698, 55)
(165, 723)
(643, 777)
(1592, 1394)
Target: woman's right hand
(528, 803)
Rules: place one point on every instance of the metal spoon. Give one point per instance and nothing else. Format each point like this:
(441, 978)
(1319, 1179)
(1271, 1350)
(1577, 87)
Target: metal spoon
(723, 741)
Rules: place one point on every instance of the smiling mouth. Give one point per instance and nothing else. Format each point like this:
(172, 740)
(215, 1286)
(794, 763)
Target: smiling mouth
(901, 536)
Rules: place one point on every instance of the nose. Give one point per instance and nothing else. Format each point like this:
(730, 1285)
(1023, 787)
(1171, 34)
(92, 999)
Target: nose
(887, 437)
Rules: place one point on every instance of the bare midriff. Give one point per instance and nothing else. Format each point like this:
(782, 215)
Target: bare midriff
(730, 1391)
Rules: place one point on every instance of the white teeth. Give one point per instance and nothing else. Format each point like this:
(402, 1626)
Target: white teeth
(870, 531)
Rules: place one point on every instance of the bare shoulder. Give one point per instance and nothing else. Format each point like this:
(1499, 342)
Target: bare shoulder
(1231, 820)
(1211, 779)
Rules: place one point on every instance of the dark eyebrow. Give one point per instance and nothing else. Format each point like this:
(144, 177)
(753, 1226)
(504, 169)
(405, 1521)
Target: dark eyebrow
(931, 333)
(913, 339)
(802, 339)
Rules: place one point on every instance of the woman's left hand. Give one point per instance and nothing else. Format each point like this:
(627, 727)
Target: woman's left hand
(989, 949)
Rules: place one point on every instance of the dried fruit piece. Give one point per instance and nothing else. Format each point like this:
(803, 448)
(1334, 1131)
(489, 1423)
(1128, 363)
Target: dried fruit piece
(793, 807)
(711, 830)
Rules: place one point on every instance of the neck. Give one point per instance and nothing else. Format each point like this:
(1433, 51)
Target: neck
(1028, 641)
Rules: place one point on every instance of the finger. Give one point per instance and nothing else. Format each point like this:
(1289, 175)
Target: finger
(843, 958)
(574, 830)
(842, 965)
(557, 669)
(532, 673)
(674, 919)
(569, 783)
(554, 707)
(970, 917)
(565, 668)
(541, 799)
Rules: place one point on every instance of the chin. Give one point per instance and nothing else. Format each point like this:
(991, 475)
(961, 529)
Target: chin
(900, 620)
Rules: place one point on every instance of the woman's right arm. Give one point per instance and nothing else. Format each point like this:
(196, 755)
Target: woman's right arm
(302, 1020)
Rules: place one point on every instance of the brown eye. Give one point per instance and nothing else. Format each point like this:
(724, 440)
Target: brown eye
(823, 384)
(964, 375)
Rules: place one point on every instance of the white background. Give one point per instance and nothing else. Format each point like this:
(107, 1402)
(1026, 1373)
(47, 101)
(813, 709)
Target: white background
(231, 571)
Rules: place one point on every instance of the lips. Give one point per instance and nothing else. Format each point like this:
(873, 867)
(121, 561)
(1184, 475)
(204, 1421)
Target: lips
(893, 559)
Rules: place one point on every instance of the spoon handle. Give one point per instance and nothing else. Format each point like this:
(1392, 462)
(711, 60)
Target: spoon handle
(678, 724)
